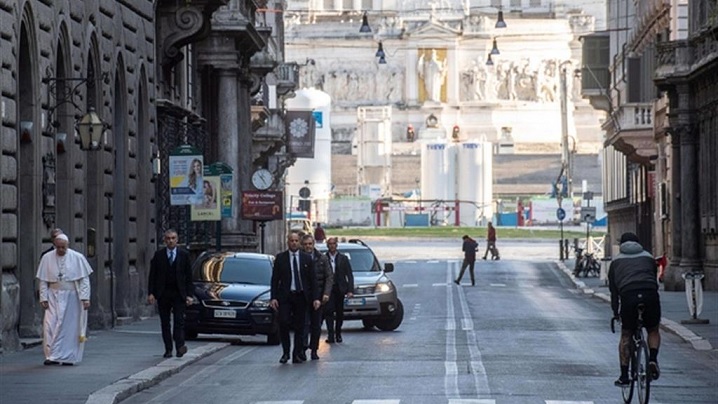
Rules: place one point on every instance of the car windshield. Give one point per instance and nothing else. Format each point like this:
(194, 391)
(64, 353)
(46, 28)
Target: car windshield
(229, 269)
(361, 260)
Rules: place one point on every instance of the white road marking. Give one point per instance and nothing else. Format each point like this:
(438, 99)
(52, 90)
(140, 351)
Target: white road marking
(472, 401)
(432, 262)
(481, 381)
(411, 285)
(280, 402)
(441, 284)
(568, 402)
(498, 285)
(411, 262)
(376, 401)
(451, 374)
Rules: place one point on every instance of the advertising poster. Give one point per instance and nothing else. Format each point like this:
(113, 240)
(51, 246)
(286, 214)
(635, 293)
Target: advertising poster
(300, 133)
(225, 194)
(209, 208)
(186, 170)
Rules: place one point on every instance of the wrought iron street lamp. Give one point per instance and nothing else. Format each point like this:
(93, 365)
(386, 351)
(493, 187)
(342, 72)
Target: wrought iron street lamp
(91, 128)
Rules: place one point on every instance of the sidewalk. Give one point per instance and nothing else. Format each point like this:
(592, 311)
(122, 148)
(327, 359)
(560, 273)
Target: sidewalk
(117, 363)
(674, 310)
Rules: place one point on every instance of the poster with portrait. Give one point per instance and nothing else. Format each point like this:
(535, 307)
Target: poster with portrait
(186, 170)
(209, 209)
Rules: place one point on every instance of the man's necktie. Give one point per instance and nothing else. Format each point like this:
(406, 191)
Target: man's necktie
(172, 257)
(297, 280)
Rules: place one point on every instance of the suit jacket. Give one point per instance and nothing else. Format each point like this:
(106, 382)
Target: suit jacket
(343, 276)
(282, 277)
(160, 266)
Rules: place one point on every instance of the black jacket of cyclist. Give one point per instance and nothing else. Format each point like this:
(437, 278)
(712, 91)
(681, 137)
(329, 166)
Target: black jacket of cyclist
(633, 280)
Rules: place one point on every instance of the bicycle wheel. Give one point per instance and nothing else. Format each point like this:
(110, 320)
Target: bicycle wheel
(627, 391)
(643, 378)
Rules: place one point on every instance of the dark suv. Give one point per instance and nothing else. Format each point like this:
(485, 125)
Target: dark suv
(375, 301)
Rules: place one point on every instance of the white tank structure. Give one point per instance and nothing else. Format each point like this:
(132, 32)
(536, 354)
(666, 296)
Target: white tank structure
(438, 178)
(314, 173)
(374, 146)
(475, 187)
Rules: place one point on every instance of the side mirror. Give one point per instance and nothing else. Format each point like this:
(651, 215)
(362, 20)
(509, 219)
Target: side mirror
(389, 267)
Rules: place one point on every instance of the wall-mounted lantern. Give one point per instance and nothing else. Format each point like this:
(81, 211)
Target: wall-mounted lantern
(91, 128)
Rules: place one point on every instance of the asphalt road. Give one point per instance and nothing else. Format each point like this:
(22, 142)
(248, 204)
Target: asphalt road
(522, 335)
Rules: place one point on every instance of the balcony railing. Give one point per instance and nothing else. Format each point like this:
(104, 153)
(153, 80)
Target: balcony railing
(635, 116)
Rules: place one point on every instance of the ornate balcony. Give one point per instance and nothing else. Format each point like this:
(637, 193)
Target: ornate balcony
(633, 131)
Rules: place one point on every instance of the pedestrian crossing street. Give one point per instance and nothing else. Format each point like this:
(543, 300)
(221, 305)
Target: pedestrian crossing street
(449, 401)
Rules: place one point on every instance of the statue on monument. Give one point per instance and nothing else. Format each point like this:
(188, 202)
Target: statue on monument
(433, 73)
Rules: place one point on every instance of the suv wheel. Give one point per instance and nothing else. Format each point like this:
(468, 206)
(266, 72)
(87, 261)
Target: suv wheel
(394, 322)
(368, 324)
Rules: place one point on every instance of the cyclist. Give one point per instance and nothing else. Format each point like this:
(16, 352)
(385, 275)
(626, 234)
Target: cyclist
(632, 279)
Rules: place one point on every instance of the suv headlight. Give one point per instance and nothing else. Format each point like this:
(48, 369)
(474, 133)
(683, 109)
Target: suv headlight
(384, 287)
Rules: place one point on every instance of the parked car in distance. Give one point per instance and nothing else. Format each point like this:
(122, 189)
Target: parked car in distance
(375, 301)
(232, 293)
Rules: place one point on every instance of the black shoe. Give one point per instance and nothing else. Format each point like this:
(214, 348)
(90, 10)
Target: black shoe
(457, 282)
(284, 358)
(339, 338)
(302, 355)
(622, 382)
(330, 340)
(48, 362)
(67, 364)
(181, 351)
(654, 370)
(314, 355)
(483, 258)
(297, 359)
(168, 354)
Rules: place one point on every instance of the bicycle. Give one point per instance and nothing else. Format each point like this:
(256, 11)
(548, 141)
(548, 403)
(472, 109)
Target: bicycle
(639, 374)
(586, 264)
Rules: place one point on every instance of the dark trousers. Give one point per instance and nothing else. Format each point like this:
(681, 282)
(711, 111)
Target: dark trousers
(291, 316)
(172, 304)
(313, 327)
(467, 263)
(491, 246)
(334, 313)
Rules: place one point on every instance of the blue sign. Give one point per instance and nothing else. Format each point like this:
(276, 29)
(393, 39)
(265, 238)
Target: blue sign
(319, 119)
(560, 214)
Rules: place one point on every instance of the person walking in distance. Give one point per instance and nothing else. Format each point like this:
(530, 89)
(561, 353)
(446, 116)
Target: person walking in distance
(633, 280)
(325, 281)
(64, 278)
(319, 234)
(294, 287)
(343, 287)
(469, 248)
(491, 243)
(170, 286)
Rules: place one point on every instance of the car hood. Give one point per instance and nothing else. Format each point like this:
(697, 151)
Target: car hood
(368, 278)
(229, 291)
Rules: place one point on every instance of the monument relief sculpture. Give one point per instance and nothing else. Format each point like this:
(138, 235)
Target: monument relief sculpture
(433, 74)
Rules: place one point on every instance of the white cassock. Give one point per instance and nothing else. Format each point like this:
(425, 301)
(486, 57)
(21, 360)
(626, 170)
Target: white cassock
(64, 283)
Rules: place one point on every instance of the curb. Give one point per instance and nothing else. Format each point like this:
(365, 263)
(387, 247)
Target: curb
(697, 342)
(124, 388)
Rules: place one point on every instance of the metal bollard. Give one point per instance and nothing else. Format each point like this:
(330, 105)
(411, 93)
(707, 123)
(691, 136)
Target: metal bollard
(561, 256)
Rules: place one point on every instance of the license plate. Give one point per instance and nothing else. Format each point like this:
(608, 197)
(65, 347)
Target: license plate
(355, 301)
(225, 314)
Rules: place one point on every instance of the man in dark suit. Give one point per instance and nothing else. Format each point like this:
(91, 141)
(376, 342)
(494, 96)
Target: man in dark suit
(170, 285)
(294, 286)
(343, 287)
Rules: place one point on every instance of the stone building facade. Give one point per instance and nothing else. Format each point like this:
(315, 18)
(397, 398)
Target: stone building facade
(159, 74)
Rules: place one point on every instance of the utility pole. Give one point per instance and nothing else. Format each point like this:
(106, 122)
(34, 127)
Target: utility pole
(565, 150)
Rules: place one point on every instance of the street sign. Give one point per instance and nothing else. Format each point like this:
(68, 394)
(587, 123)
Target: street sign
(588, 214)
(262, 205)
(560, 214)
(304, 192)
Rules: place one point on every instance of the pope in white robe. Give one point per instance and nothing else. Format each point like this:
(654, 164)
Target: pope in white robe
(64, 277)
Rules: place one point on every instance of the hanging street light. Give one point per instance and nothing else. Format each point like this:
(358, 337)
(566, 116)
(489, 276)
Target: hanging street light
(380, 51)
(365, 24)
(489, 62)
(90, 127)
(500, 23)
(495, 49)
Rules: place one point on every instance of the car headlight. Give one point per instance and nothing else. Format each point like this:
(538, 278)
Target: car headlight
(384, 287)
(262, 302)
(194, 300)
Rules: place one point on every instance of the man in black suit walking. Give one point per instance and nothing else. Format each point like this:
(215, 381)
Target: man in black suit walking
(294, 286)
(170, 285)
(343, 287)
